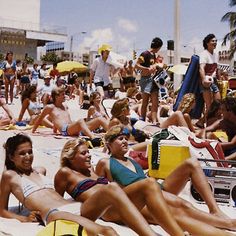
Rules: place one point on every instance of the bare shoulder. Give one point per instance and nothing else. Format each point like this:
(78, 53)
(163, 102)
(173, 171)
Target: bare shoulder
(91, 109)
(8, 176)
(113, 122)
(63, 173)
(103, 163)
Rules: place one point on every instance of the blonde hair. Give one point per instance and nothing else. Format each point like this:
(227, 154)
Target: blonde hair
(69, 150)
(56, 92)
(116, 131)
(186, 103)
(131, 92)
(119, 106)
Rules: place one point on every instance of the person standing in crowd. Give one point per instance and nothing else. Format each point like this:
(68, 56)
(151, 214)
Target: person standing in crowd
(43, 71)
(35, 75)
(130, 73)
(101, 71)
(25, 77)
(17, 81)
(9, 70)
(146, 64)
(54, 73)
(209, 73)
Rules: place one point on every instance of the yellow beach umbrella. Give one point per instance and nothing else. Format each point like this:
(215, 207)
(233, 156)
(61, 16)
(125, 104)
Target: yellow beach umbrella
(71, 66)
(179, 69)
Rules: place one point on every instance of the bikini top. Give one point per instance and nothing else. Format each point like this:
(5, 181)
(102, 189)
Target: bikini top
(7, 65)
(34, 107)
(86, 184)
(123, 175)
(30, 187)
(97, 114)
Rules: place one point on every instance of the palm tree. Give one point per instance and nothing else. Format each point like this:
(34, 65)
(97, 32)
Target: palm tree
(231, 36)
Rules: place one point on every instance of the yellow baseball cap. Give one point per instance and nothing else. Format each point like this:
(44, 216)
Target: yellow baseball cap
(105, 47)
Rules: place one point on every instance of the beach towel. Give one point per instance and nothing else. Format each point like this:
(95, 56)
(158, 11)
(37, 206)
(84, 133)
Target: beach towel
(191, 85)
(16, 127)
(203, 149)
(63, 227)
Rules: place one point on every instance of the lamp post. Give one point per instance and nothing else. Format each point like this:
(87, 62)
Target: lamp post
(188, 46)
(71, 42)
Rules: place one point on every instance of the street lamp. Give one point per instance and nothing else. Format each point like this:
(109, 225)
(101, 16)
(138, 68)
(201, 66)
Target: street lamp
(188, 46)
(71, 42)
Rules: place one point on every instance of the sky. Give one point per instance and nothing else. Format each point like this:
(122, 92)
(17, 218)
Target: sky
(132, 24)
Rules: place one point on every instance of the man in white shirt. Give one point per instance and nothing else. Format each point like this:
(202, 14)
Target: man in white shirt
(208, 70)
(101, 71)
(45, 90)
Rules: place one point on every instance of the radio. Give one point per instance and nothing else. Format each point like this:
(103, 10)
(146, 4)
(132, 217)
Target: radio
(222, 182)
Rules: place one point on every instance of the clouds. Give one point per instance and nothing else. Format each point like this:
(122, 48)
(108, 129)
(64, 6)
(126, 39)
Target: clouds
(127, 25)
(118, 37)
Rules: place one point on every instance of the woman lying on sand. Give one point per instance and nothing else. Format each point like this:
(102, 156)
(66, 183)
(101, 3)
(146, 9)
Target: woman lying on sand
(36, 192)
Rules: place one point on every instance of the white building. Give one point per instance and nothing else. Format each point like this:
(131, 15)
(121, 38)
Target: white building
(21, 30)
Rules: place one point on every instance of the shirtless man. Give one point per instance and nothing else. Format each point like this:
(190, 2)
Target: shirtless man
(59, 115)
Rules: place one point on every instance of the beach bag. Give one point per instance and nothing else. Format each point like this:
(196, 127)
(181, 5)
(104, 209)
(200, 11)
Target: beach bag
(62, 227)
(140, 157)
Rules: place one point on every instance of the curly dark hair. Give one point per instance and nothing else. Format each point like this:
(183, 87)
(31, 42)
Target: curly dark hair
(156, 43)
(207, 39)
(230, 104)
(11, 145)
(28, 92)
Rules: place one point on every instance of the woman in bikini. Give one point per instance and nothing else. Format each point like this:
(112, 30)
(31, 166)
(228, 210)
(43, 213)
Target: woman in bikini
(126, 172)
(25, 77)
(76, 90)
(78, 179)
(96, 109)
(30, 103)
(36, 192)
(9, 70)
(121, 115)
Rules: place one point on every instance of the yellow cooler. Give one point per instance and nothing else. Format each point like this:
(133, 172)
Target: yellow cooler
(171, 153)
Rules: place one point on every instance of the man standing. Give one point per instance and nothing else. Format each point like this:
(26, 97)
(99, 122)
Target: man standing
(146, 64)
(101, 71)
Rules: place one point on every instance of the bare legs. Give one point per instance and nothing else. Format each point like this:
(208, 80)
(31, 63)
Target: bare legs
(120, 208)
(92, 228)
(80, 125)
(7, 85)
(97, 122)
(147, 192)
(145, 101)
(177, 118)
(195, 221)
(191, 168)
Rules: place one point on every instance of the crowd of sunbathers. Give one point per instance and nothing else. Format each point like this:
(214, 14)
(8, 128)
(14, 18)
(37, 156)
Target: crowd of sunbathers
(116, 189)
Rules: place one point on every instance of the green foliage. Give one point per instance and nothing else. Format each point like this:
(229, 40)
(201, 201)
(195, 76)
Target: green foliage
(29, 60)
(50, 57)
(230, 17)
(1, 57)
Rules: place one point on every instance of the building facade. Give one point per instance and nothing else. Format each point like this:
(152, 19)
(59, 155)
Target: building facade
(21, 30)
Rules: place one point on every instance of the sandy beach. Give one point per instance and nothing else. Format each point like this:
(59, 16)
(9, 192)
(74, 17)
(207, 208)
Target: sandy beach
(47, 148)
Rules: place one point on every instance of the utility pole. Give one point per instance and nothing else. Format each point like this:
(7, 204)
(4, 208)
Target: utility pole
(71, 43)
(177, 32)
